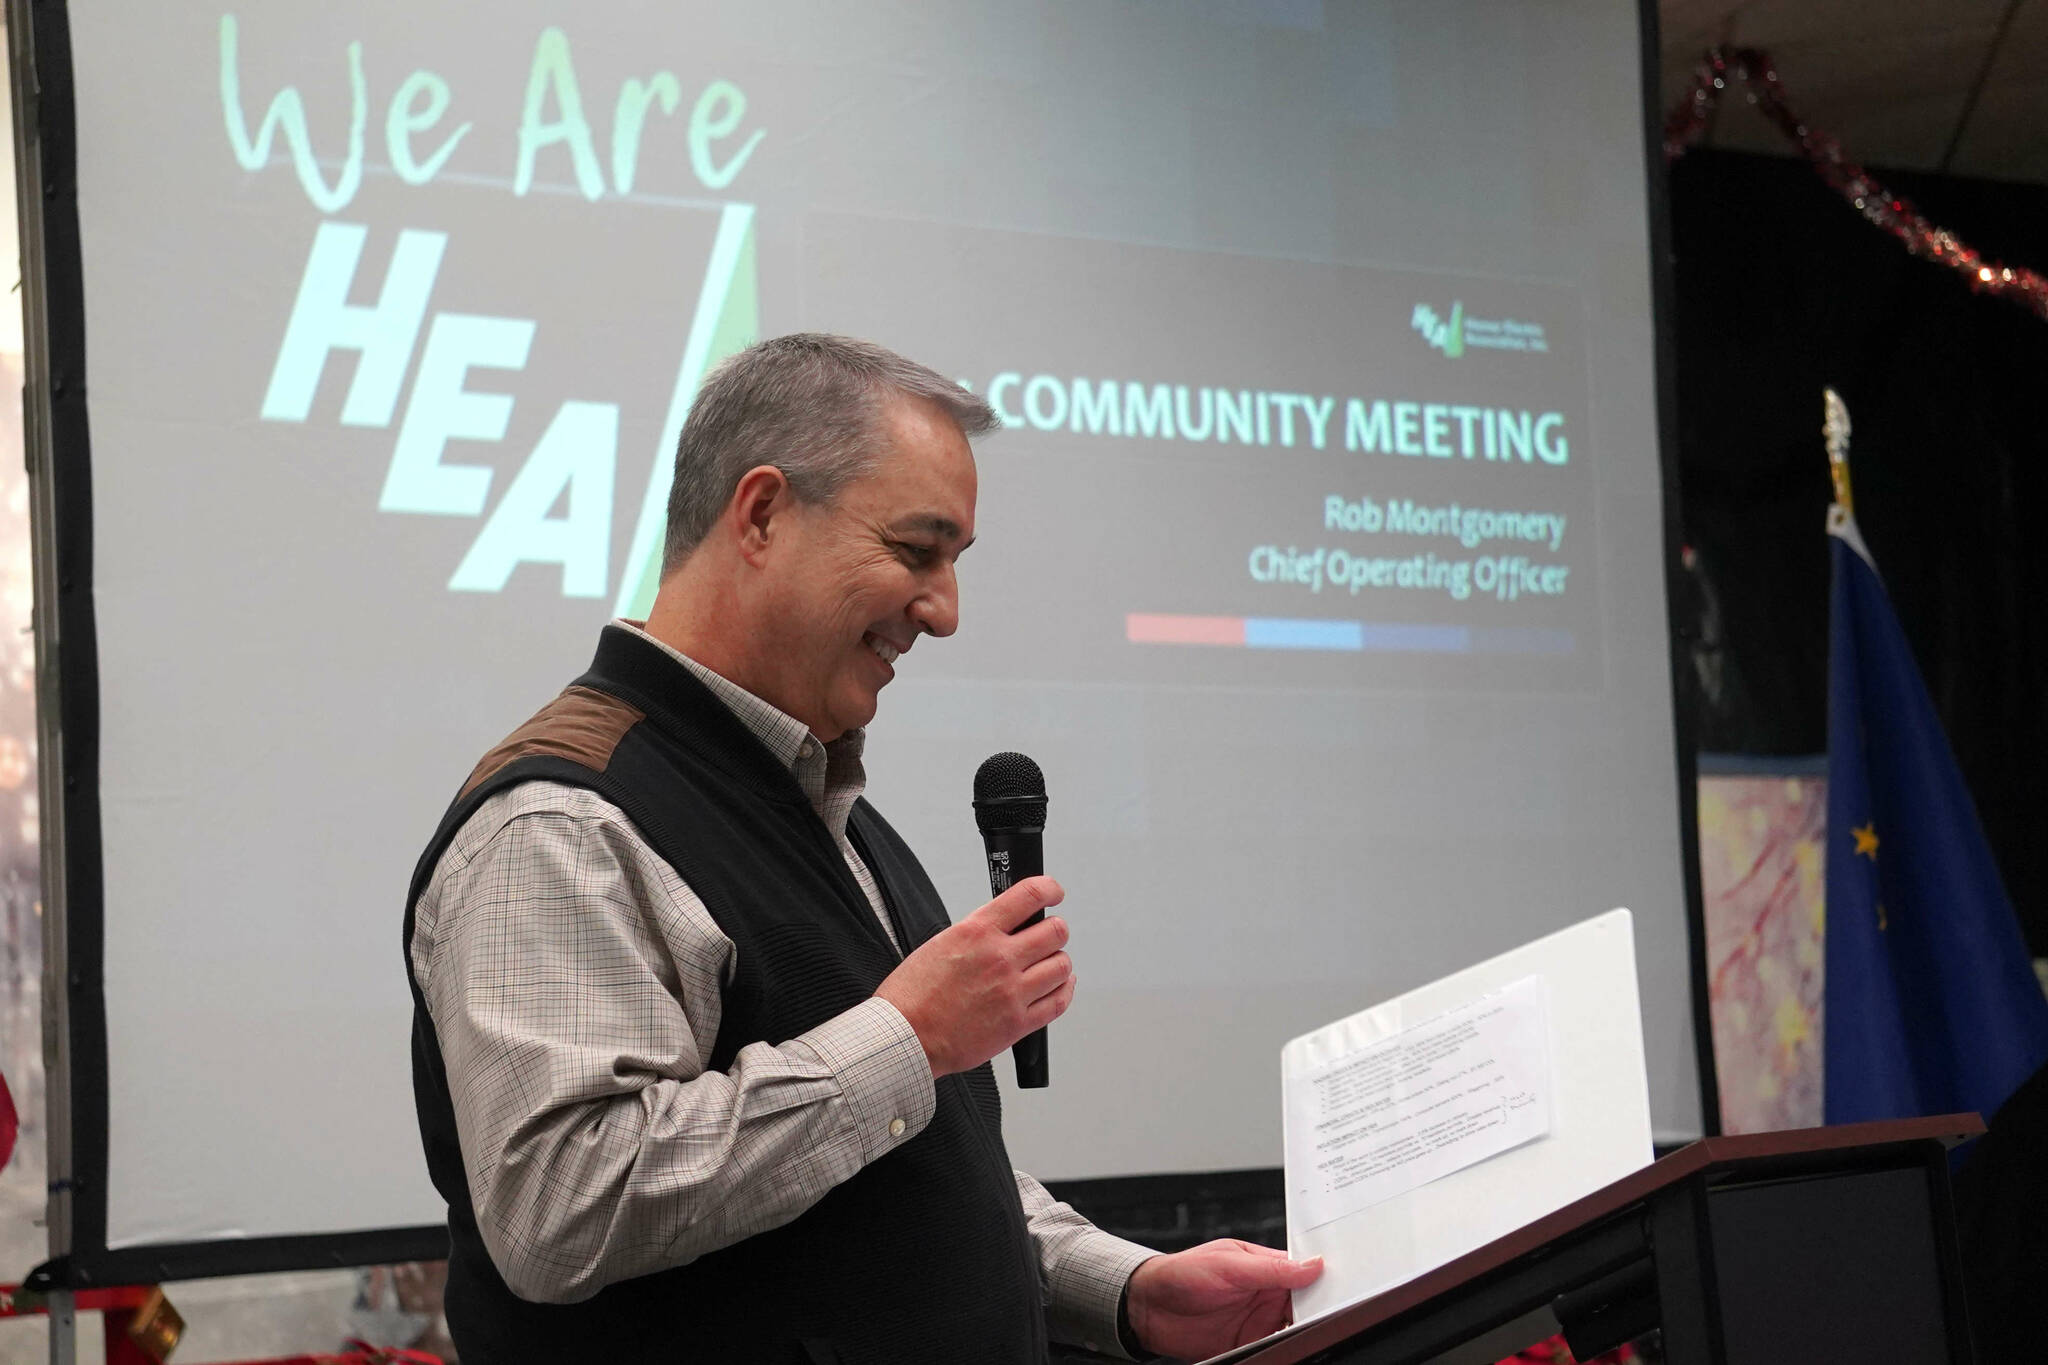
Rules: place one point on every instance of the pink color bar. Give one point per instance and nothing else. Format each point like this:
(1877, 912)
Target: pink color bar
(1140, 629)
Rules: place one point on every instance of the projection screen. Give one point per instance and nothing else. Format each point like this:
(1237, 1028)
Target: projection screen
(1321, 559)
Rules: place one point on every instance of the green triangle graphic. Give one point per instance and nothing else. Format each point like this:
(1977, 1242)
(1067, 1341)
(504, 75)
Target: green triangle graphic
(728, 320)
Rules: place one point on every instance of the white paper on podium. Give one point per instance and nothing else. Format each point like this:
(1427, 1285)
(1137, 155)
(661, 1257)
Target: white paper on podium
(1435, 1098)
(1597, 1128)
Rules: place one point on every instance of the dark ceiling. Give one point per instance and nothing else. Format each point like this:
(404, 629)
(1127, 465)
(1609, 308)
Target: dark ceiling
(1928, 85)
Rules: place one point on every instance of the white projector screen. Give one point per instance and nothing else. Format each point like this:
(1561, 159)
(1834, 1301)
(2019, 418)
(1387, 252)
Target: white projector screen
(1321, 561)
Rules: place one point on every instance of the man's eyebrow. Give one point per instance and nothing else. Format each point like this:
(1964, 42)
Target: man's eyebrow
(931, 522)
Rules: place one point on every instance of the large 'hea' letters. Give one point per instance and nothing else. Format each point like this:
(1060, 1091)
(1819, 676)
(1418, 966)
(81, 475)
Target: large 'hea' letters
(577, 457)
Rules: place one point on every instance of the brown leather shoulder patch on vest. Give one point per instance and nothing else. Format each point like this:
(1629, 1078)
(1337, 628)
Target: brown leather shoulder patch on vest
(582, 725)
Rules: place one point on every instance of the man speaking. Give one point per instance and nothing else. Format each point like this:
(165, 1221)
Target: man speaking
(702, 1066)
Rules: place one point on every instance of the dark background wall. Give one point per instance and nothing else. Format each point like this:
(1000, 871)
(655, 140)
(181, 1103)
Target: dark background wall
(1781, 288)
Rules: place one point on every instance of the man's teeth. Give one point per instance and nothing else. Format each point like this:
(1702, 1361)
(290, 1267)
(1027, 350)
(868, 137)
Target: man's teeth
(887, 652)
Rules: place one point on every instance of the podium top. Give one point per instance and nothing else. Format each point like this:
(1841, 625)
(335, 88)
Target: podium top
(1786, 1151)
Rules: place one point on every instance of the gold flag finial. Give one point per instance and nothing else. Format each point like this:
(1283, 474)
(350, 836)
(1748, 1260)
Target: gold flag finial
(1834, 428)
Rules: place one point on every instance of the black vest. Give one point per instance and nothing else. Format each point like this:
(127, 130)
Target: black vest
(921, 1256)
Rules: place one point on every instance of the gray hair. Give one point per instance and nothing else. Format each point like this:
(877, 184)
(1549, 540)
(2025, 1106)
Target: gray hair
(809, 404)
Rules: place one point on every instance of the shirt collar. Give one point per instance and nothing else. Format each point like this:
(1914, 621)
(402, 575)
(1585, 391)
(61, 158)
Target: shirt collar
(786, 737)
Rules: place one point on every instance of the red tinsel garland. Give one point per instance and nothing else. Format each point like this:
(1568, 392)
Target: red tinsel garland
(1759, 79)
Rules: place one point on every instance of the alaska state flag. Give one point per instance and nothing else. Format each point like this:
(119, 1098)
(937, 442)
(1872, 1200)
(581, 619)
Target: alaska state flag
(1932, 1002)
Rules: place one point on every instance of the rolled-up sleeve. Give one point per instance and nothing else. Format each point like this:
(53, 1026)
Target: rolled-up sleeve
(573, 980)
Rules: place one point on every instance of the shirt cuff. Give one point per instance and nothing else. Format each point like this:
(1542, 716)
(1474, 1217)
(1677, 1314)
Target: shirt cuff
(1086, 1287)
(882, 1072)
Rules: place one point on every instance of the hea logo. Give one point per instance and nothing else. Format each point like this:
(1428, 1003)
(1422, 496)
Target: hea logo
(1445, 334)
(1453, 335)
(574, 463)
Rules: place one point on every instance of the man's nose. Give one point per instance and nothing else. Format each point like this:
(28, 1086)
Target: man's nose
(937, 610)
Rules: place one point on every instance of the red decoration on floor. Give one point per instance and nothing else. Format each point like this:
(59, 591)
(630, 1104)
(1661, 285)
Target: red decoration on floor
(359, 1353)
(1555, 1352)
(1752, 69)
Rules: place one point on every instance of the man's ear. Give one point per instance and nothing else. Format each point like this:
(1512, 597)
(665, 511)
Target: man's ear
(758, 509)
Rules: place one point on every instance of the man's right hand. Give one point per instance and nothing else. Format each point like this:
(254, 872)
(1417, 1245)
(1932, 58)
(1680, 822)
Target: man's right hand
(978, 987)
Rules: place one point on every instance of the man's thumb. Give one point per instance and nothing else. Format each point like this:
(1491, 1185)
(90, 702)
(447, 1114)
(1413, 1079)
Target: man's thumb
(1281, 1273)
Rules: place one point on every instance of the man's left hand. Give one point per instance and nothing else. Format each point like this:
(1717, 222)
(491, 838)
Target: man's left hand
(1203, 1301)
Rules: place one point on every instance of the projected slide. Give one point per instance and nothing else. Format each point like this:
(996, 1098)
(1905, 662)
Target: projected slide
(1319, 560)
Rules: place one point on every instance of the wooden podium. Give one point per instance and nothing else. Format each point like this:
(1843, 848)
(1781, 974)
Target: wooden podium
(1820, 1246)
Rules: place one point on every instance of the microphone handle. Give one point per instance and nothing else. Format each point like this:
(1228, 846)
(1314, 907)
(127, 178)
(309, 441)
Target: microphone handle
(1014, 855)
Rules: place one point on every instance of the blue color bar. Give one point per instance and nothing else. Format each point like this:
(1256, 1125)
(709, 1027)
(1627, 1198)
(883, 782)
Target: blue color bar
(1399, 637)
(1267, 632)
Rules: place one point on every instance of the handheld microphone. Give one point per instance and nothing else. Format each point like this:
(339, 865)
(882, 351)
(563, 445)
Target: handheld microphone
(1009, 809)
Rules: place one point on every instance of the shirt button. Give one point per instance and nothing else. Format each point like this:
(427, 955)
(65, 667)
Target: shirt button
(896, 1127)
(806, 749)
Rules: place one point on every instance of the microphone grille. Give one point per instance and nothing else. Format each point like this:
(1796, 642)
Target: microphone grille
(1009, 793)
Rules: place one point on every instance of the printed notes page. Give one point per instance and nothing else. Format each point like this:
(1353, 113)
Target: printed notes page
(1440, 1095)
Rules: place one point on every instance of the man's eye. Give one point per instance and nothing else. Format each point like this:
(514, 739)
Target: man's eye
(919, 555)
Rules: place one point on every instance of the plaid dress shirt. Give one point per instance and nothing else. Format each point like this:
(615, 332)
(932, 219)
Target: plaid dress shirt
(574, 981)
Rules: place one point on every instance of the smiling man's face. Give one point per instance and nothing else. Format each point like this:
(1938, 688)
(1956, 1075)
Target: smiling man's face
(853, 584)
